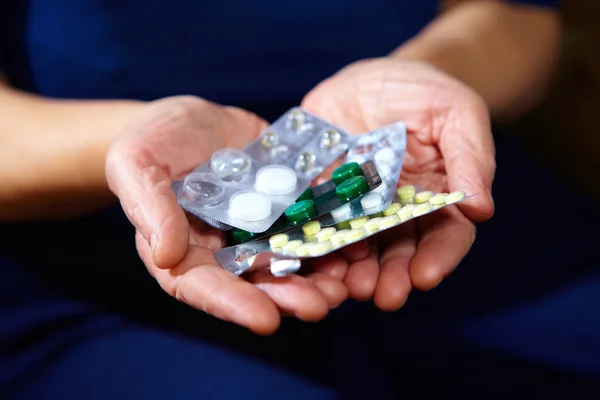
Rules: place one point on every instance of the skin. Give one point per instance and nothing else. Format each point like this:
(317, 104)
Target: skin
(479, 59)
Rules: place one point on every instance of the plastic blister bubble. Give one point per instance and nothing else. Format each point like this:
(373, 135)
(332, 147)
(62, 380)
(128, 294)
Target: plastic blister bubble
(317, 238)
(250, 188)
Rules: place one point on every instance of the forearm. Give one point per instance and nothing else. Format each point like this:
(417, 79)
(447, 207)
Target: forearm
(505, 52)
(52, 153)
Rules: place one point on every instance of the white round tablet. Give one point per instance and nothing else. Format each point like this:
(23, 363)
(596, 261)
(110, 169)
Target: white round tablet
(385, 156)
(276, 180)
(250, 206)
(371, 200)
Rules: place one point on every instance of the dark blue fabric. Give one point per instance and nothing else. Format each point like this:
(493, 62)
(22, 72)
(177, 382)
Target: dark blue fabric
(81, 318)
(226, 51)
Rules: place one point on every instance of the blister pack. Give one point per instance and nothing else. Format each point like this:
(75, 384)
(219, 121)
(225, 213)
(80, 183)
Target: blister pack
(283, 252)
(251, 188)
(365, 184)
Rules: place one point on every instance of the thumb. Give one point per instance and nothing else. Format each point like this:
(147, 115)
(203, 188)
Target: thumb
(150, 204)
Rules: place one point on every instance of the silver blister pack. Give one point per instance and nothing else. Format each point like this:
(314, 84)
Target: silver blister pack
(282, 251)
(250, 188)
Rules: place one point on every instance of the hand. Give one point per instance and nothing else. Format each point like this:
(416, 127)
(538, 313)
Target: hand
(450, 147)
(172, 137)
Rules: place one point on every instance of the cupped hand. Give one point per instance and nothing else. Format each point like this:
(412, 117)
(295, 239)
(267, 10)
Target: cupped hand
(169, 139)
(449, 147)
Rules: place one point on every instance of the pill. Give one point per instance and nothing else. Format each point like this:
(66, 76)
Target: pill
(385, 156)
(422, 208)
(438, 199)
(284, 267)
(278, 240)
(405, 212)
(392, 209)
(354, 235)
(405, 202)
(310, 238)
(292, 246)
(345, 172)
(319, 249)
(352, 188)
(276, 180)
(406, 191)
(250, 206)
(325, 234)
(358, 223)
(455, 197)
(422, 197)
(303, 250)
(340, 212)
(389, 221)
(306, 195)
(371, 200)
(338, 238)
(372, 225)
(241, 236)
(301, 211)
(311, 228)
(345, 225)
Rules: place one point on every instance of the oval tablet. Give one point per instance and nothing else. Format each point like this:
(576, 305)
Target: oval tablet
(250, 206)
(371, 200)
(276, 180)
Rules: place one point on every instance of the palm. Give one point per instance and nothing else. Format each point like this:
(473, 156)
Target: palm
(449, 147)
(169, 140)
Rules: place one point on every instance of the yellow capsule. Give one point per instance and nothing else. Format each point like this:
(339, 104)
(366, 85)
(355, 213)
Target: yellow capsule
(303, 250)
(359, 222)
(354, 235)
(392, 209)
(292, 246)
(319, 249)
(405, 212)
(325, 234)
(438, 199)
(421, 209)
(279, 240)
(422, 197)
(455, 197)
(389, 221)
(372, 225)
(311, 228)
(406, 192)
(343, 225)
(338, 238)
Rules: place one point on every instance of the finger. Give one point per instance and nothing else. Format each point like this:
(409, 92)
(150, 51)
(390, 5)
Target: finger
(333, 289)
(332, 264)
(394, 283)
(356, 251)
(294, 295)
(151, 205)
(362, 275)
(199, 282)
(445, 238)
(467, 146)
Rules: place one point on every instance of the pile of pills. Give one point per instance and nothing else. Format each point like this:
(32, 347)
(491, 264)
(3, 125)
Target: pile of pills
(318, 240)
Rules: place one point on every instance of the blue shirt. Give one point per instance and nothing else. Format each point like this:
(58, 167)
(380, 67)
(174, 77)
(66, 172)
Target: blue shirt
(233, 52)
